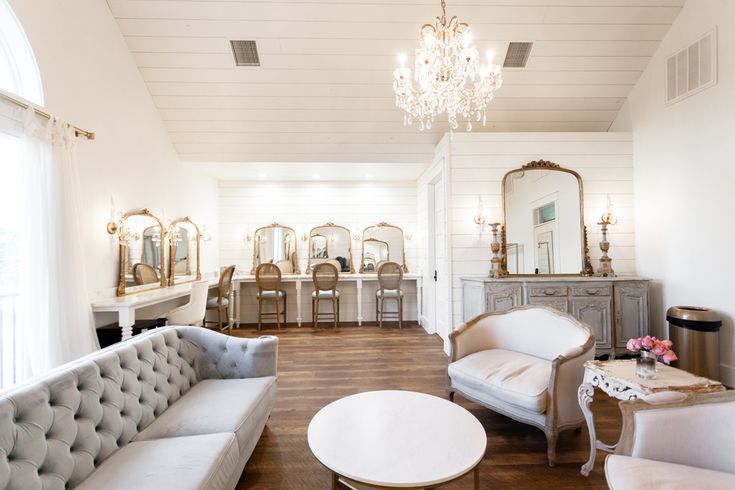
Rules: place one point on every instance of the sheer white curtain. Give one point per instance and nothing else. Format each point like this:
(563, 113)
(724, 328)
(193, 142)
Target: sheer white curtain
(55, 316)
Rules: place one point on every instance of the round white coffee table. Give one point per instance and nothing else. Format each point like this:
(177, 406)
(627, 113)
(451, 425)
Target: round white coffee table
(397, 439)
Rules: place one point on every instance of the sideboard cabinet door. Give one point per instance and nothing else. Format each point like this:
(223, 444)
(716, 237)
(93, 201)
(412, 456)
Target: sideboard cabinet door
(597, 313)
(502, 297)
(631, 311)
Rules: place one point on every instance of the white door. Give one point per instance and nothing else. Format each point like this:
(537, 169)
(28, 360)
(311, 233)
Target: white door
(441, 269)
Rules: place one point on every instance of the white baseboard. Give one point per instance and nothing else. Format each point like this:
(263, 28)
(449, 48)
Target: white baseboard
(424, 321)
(727, 375)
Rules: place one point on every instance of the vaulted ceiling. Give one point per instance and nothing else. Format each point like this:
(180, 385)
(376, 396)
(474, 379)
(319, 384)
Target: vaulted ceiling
(323, 92)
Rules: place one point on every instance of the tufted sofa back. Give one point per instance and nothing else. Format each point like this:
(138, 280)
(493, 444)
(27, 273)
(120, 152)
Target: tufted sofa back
(56, 430)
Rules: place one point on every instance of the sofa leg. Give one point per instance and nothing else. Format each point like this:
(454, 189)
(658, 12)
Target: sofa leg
(551, 438)
(451, 396)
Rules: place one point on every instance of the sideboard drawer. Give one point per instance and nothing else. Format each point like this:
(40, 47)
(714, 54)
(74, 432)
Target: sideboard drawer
(585, 290)
(547, 291)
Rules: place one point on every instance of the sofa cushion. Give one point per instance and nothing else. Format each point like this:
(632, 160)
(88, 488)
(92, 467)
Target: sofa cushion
(517, 378)
(625, 472)
(195, 462)
(217, 405)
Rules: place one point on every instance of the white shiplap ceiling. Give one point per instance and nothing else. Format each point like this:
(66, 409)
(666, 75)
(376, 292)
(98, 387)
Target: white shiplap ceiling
(323, 91)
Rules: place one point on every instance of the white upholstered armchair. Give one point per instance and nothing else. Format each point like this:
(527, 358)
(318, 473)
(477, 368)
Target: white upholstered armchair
(526, 363)
(676, 445)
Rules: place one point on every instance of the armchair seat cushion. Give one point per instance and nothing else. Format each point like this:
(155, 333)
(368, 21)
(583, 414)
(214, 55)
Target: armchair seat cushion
(325, 294)
(625, 472)
(212, 302)
(194, 462)
(272, 294)
(207, 408)
(518, 379)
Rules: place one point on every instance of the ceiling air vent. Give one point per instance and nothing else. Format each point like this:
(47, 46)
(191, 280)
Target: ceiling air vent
(692, 69)
(245, 53)
(517, 55)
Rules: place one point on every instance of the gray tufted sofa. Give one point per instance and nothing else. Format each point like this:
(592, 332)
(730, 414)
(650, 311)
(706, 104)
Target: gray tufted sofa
(177, 407)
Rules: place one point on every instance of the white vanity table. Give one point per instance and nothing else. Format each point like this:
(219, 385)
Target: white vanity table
(299, 280)
(126, 306)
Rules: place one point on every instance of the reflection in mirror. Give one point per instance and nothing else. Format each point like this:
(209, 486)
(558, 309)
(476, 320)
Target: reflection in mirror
(275, 244)
(184, 254)
(330, 243)
(543, 210)
(142, 251)
(382, 243)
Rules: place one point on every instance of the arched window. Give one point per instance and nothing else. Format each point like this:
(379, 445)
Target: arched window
(19, 76)
(19, 73)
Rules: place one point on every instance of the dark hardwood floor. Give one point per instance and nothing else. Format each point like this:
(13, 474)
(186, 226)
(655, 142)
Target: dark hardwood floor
(317, 367)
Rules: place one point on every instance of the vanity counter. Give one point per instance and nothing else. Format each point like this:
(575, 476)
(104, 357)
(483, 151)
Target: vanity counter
(352, 295)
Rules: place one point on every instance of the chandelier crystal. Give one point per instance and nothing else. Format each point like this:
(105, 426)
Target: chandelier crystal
(448, 77)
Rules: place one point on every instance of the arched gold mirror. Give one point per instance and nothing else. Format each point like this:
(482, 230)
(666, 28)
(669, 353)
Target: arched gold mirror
(330, 243)
(382, 243)
(276, 244)
(142, 251)
(184, 239)
(543, 222)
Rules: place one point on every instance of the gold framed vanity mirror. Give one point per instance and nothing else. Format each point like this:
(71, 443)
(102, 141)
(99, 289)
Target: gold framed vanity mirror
(276, 244)
(543, 230)
(142, 251)
(184, 255)
(382, 243)
(330, 243)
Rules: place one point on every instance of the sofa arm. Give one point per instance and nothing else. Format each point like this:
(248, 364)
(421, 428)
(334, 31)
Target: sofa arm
(567, 373)
(473, 336)
(694, 430)
(223, 356)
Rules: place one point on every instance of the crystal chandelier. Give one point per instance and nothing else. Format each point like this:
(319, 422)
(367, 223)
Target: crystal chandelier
(448, 75)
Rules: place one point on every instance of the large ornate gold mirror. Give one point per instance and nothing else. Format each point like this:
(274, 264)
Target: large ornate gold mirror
(142, 250)
(184, 239)
(543, 221)
(330, 243)
(276, 244)
(382, 243)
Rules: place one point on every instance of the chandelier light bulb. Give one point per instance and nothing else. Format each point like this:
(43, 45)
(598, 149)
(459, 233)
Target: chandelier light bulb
(448, 78)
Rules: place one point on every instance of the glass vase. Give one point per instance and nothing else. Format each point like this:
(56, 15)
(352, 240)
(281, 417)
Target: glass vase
(645, 365)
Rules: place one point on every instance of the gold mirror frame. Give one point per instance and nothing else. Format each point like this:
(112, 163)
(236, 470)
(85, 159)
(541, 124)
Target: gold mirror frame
(295, 260)
(362, 246)
(172, 250)
(329, 224)
(547, 165)
(118, 228)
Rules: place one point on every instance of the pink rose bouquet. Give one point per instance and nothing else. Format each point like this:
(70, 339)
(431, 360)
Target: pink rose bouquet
(660, 348)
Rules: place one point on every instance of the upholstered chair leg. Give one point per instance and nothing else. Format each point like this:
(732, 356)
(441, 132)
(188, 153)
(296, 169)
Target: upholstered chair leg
(337, 311)
(551, 438)
(334, 310)
(219, 319)
(285, 310)
(278, 313)
(260, 313)
(451, 396)
(400, 312)
(380, 313)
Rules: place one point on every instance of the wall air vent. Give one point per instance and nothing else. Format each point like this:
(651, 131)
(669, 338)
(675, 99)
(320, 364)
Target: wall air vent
(517, 55)
(692, 69)
(245, 53)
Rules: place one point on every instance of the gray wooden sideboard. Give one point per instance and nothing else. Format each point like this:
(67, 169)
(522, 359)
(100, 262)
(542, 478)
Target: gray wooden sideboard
(616, 308)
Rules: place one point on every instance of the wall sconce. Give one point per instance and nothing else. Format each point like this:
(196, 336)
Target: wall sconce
(205, 234)
(248, 237)
(304, 237)
(480, 218)
(356, 237)
(409, 237)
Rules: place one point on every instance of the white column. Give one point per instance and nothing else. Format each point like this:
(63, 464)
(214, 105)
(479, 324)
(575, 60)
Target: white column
(126, 319)
(419, 297)
(358, 283)
(235, 304)
(298, 301)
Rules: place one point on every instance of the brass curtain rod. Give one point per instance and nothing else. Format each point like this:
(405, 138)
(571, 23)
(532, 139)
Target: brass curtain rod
(25, 105)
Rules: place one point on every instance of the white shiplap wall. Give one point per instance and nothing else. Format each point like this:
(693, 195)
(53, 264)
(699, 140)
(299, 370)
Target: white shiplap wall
(478, 162)
(245, 206)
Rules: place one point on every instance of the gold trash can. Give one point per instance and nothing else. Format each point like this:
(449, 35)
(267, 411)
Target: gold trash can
(695, 333)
